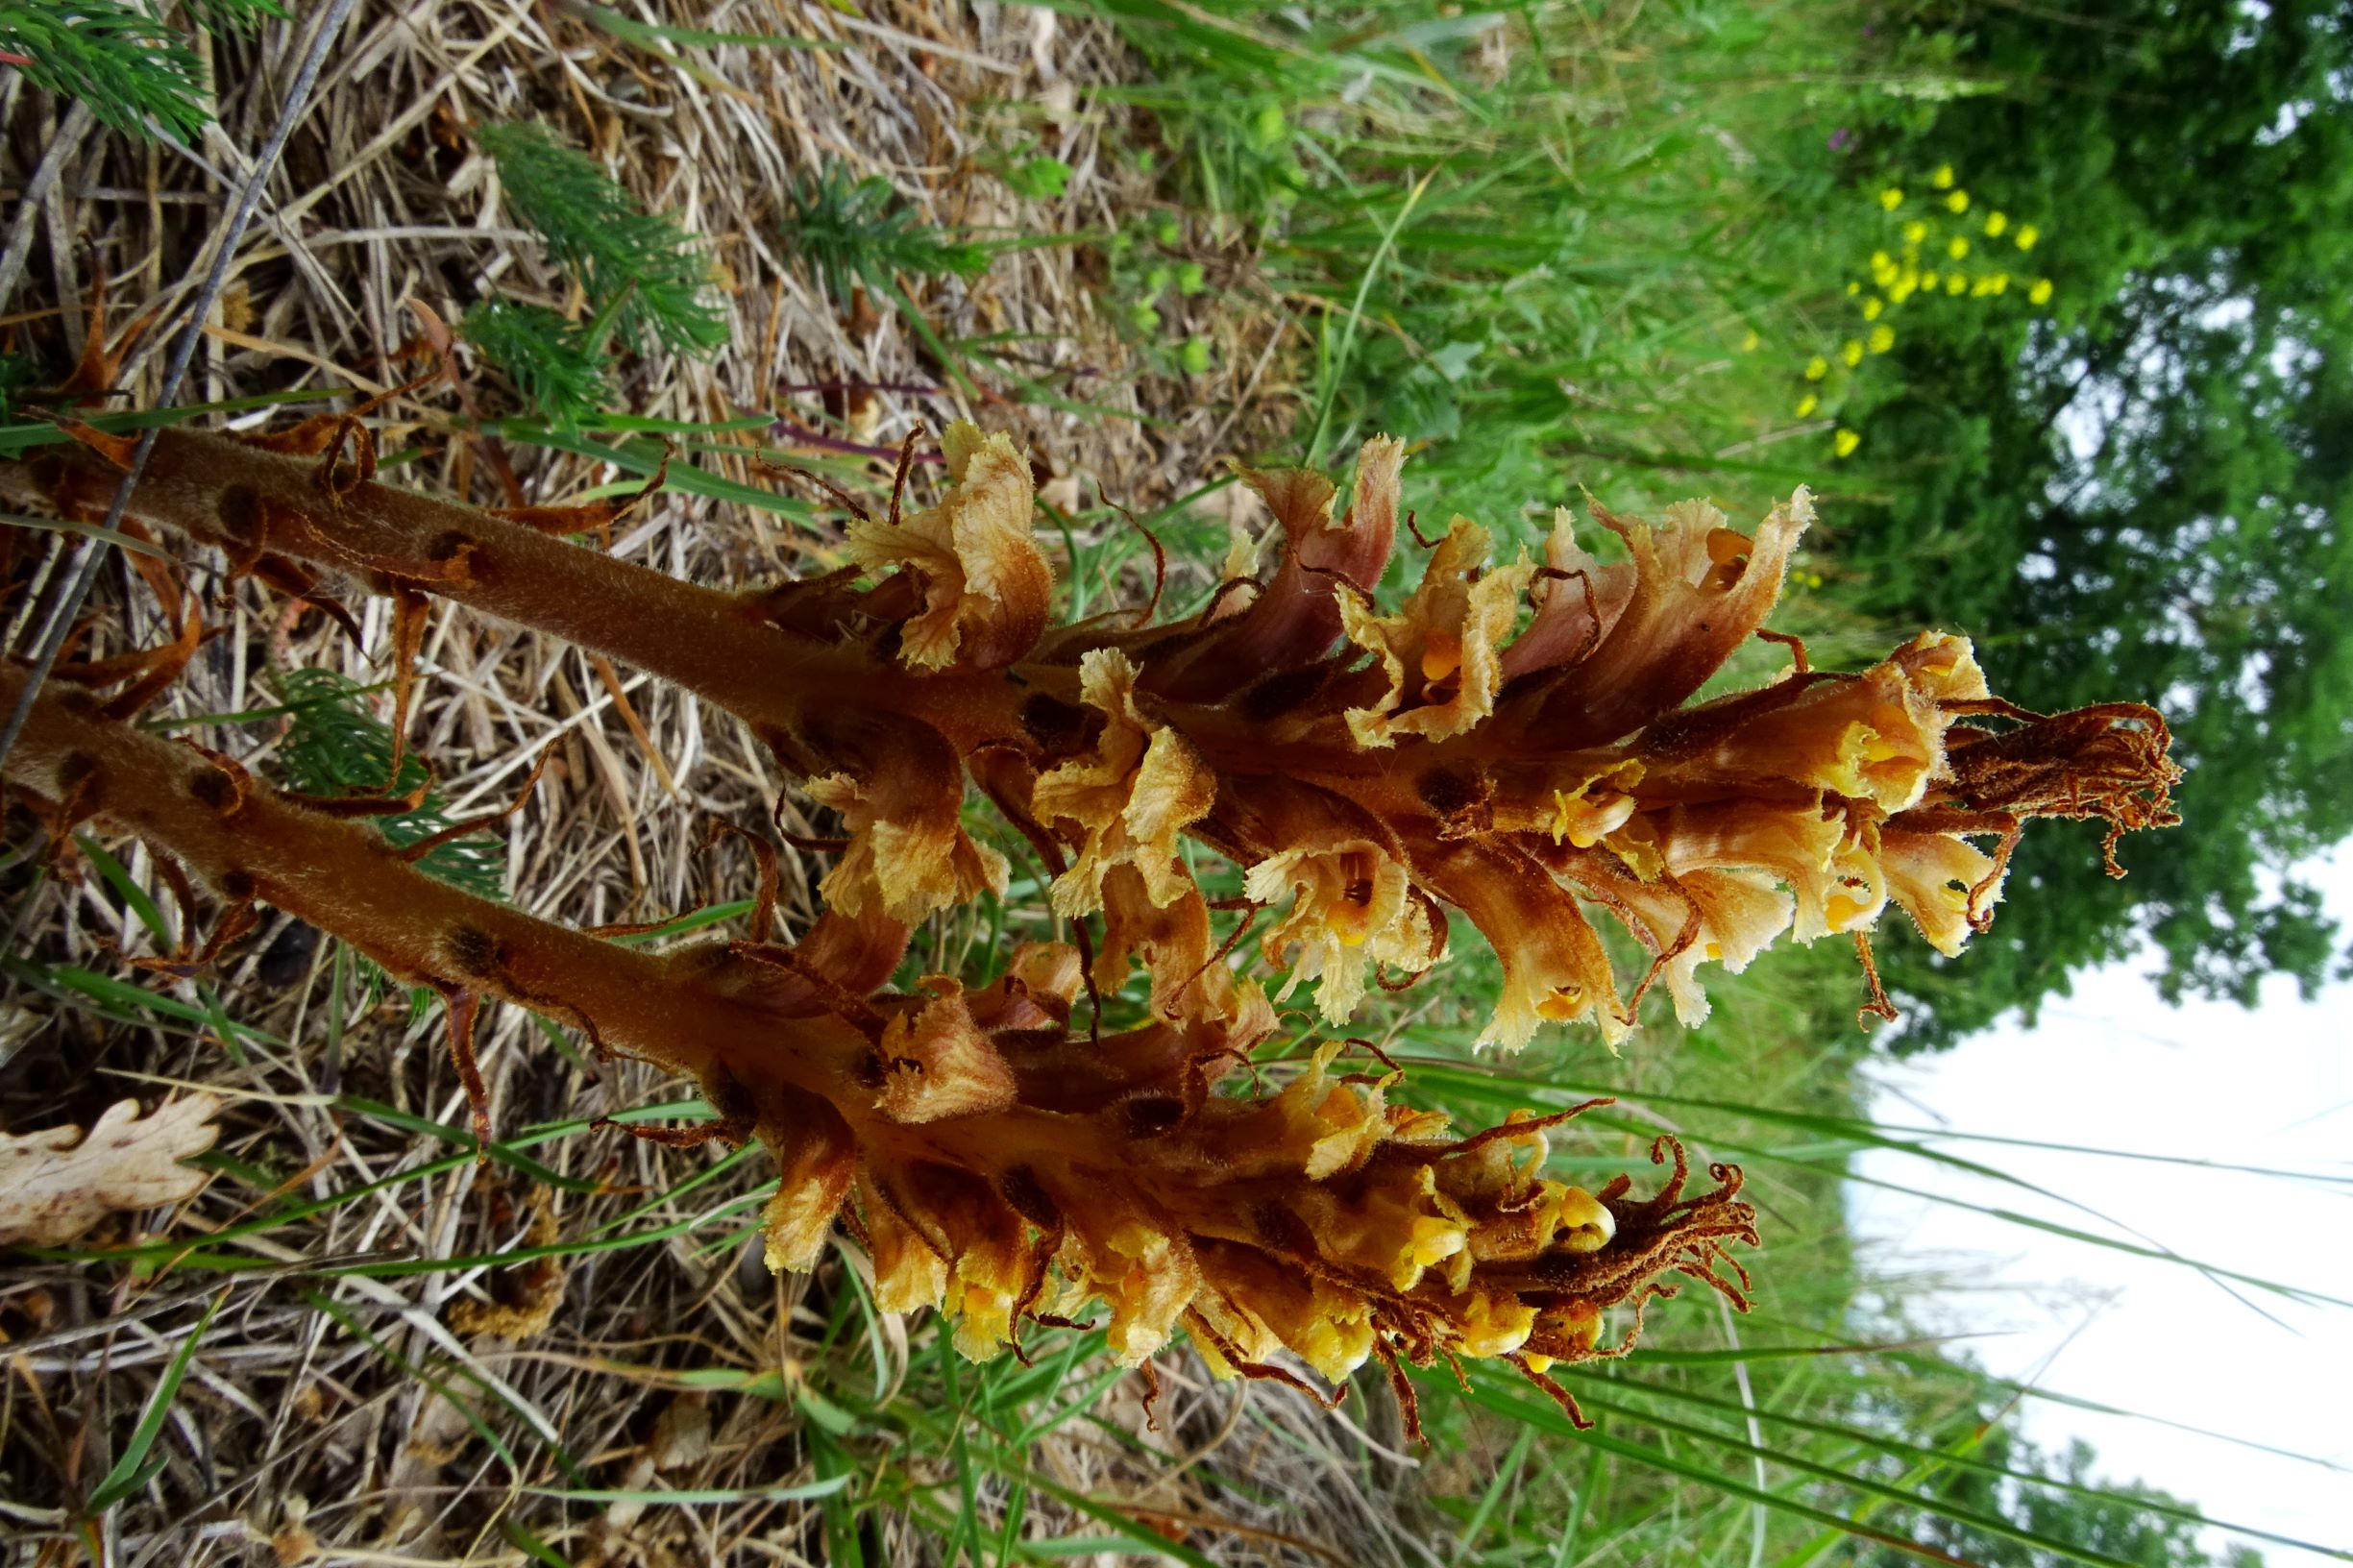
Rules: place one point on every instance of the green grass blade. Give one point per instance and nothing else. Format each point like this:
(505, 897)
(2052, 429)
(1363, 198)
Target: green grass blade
(131, 1469)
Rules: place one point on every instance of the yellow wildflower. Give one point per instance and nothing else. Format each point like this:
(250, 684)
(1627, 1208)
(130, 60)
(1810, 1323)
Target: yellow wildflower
(2040, 293)
(1882, 338)
(1748, 344)
(1817, 368)
(1929, 279)
(1915, 232)
(1807, 406)
(1873, 307)
(1957, 202)
(1958, 283)
(1880, 262)
(2027, 234)
(1996, 223)
(1958, 248)
(1852, 353)
(1892, 197)
(1844, 442)
(1853, 286)
(1352, 911)
(1941, 180)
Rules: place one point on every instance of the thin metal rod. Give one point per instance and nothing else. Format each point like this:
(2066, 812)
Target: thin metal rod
(87, 559)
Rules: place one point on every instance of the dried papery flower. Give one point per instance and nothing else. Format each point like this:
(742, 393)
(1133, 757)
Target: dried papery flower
(1440, 656)
(1128, 798)
(984, 587)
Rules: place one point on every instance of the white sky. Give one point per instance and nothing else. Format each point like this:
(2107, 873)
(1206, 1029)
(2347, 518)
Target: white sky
(2114, 1068)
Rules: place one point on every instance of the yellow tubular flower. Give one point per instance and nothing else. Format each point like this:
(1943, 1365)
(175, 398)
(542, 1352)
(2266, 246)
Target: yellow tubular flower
(1143, 786)
(1852, 353)
(1844, 442)
(1958, 283)
(1942, 179)
(1916, 233)
(1957, 202)
(1873, 307)
(2040, 293)
(1958, 248)
(1351, 913)
(1817, 368)
(1440, 653)
(2027, 234)
(1996, 223)
(909, 855)
(1892, 198)
(1882, 338)
(1807, 406)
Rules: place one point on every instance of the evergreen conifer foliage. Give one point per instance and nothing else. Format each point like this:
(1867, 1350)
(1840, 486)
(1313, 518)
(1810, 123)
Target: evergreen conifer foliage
(557, 368)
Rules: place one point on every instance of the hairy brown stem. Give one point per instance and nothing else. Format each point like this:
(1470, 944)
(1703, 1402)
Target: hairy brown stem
(245, 843)
(223, 491)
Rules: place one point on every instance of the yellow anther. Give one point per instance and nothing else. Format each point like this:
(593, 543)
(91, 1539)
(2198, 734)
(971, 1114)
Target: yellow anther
(1442, 655)
(1563, 1004)
(1726, 545)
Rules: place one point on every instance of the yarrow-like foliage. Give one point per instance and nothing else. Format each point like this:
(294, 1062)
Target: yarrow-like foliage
(1515, 743)
(637, 267)
(133, 72)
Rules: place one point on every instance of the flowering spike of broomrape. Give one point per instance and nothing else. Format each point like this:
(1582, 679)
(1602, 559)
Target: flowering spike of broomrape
(1517, 743)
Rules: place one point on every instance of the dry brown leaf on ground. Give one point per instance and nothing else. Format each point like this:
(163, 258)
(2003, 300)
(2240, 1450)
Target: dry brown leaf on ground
(56, 1184)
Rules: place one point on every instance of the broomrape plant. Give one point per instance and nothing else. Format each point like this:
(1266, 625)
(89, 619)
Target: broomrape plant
(1517, 743)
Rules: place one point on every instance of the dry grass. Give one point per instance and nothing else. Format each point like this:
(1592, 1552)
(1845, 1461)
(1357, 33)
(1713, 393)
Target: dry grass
(359, 1397)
